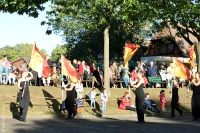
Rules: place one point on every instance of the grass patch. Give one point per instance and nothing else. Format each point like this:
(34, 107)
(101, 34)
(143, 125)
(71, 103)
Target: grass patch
(43, 106)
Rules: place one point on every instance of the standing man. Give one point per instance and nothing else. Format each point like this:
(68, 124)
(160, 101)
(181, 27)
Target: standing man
(175, 100)
(151, 70)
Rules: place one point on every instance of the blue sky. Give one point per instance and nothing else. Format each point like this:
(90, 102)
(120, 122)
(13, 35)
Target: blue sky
(15, 29)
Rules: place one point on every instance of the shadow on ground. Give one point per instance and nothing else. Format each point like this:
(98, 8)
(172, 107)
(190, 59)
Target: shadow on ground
(53, 104)
(107, 125)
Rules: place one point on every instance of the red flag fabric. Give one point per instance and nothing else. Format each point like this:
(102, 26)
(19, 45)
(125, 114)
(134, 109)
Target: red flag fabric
(180, 70)
(69, 70)
(129, 51)
(38, 63)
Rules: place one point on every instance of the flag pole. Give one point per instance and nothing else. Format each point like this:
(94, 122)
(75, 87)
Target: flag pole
(172, 80)
(62, 78)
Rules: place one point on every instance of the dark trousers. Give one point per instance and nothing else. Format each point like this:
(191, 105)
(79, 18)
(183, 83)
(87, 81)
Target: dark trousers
(196, 106)
(72, 112)
(130, 108)
(23, 103)
(174, 106)
(139, 108)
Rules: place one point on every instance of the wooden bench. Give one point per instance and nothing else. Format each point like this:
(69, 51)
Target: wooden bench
(86, 82)
(120, 82)
(155, 80)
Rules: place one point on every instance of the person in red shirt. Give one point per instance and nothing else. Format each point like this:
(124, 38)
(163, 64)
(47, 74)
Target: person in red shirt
(134, 74)
(93, 67)
(145, 80)
(81, 67)
(126, 103)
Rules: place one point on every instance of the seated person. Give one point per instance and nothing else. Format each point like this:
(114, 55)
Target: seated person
(145, 80)
(11, 75)
(126, 103)
(163, 72)
(150, 104)
(89, 76)
(112, 79)
(46, 81)
(98, 74)
(125, 76)
(55, 77)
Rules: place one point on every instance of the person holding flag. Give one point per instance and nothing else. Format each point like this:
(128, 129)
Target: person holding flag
(70, 99)
(68, 70)
(196, 97)
(24, 95)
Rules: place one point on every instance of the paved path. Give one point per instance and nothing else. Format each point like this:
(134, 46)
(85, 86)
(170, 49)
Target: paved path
(99, 125)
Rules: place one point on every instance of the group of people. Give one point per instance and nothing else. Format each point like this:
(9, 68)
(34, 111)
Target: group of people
(74, 99)
(8, 73)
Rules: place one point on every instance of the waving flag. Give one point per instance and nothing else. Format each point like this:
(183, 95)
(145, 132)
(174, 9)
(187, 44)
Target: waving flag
(129, 51)
(38, 63)
(192, 55)
(180, 70)
(69, 70)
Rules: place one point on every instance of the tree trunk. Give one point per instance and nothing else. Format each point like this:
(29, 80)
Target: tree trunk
(106, 61)
(198, 56)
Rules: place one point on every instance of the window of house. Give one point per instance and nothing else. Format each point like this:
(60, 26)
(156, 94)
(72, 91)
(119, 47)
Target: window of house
(160, 49)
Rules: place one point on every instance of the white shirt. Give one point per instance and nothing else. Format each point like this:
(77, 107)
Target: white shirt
(104, 97)
(79, 87)
(93, 94)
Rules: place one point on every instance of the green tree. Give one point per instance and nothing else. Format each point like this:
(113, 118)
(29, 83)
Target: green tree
(182, 15)
(57, 52)
(89, 15)
(18, 51)
(43, 52)
(29, 7)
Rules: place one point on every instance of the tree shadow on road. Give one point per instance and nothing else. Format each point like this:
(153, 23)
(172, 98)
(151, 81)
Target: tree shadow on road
(52, 103)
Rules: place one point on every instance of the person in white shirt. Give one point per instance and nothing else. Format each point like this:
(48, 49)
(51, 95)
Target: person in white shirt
(79, 88)
(92, 95)
(169, 74)
(104, 99)
(11, 75)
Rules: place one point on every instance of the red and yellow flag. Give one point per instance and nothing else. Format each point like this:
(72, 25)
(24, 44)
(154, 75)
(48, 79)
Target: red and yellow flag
(38, 63)
(69, 70)
(192, 55)
(180, 70)
(129, 51)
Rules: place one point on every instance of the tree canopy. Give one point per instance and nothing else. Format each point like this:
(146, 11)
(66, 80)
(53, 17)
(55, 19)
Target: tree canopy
(29, 7)
(57, 52)
(74, 17)
(18, 51)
